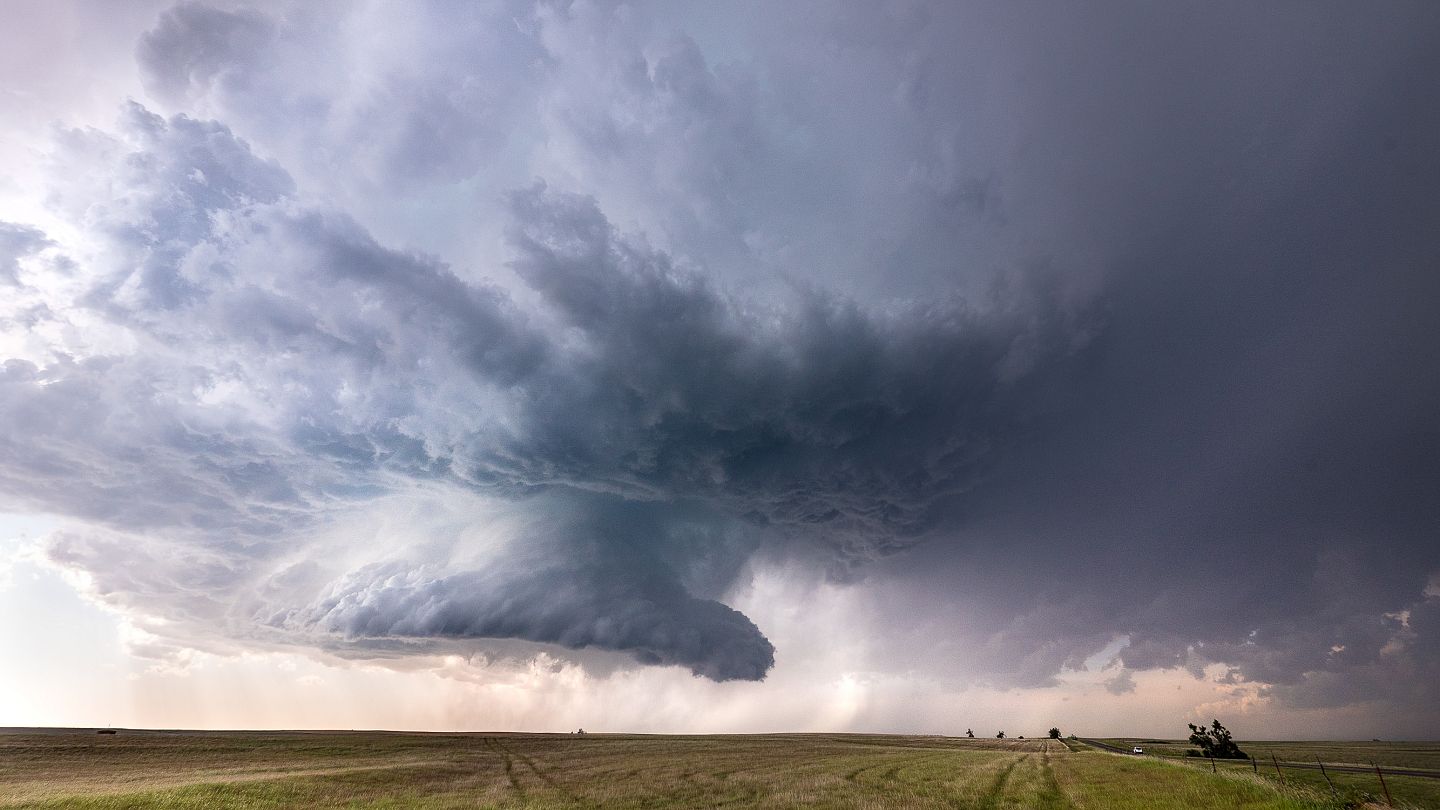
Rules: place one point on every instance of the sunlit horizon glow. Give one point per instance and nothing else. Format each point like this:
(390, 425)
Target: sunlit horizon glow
(111, 682)
(693, 368)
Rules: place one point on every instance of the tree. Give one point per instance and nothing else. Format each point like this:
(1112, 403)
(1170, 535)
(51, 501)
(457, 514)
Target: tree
(969, 733)
(1215, 742)
(999, 735)
(1054, 733)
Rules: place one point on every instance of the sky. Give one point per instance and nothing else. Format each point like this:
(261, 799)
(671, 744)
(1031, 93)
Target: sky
(721, 367)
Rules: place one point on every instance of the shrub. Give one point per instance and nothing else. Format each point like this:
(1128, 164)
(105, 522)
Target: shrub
(1215, 742)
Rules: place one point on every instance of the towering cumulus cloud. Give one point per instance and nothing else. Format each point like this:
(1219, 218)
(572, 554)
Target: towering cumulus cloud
(1050, 331)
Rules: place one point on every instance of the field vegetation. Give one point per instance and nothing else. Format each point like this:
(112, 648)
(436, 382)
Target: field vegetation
(1405, 790)
(373, 769)
(1419, 755)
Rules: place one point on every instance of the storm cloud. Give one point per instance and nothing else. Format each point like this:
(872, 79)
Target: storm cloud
(1062, 330)
(294, 365)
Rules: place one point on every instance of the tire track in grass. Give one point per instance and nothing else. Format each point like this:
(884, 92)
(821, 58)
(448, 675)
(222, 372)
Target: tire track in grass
(123, 789)
(1053, 795)
(920, 778)
(509, 765)
(854, 775)
(884, 782)
(991, 799)
(540, 774)
(747, 793)
(895, 762)
(735, 779)
(698, 780)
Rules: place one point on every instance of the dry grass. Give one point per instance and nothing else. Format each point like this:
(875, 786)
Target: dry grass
(1420, 755)
(1405, 790)
(259, 770)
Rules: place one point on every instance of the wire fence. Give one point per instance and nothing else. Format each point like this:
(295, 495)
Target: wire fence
(1280, 766)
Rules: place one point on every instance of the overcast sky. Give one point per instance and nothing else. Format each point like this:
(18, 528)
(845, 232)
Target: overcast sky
(721, 366)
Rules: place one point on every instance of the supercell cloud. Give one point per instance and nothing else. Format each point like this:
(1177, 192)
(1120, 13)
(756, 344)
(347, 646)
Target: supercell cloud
(388, 330)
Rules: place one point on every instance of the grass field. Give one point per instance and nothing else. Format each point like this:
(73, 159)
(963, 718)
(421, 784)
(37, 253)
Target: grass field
(1421, 755)
(260, 770)
(1413, 791)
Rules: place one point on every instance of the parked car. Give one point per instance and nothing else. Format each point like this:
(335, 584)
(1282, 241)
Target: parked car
(1137, 750)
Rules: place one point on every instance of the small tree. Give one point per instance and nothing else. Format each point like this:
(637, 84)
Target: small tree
(1054, 733)
(999, 735)
(969, 733)
(1215, 742)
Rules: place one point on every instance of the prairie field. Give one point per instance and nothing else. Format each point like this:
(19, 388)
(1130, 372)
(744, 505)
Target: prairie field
(1418, 755)
(136, 769)
(1340, 758)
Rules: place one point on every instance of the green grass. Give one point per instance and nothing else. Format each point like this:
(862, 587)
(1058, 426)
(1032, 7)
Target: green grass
(265, 770)
(1405, 790)
(1420, 755)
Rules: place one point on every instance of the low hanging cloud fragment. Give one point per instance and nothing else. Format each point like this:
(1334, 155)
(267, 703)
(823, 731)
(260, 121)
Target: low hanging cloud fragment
(657, 624)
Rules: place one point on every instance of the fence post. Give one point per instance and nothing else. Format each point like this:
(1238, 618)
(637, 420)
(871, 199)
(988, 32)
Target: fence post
(1383, 786)
(1212, 765)
(1326, 775)
(1255, 766)
(1277, 767)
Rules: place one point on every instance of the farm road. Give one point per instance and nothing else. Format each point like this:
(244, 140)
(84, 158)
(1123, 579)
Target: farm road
(1305, 766)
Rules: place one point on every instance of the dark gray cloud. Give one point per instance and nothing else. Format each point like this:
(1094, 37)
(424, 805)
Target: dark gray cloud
(1242, 472)
(1122, 683)
(194, 47)
(585, 580)
(1117, 320)
(818, 414)
(344, 364)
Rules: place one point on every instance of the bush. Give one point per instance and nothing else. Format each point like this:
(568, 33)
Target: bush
(1215, 742)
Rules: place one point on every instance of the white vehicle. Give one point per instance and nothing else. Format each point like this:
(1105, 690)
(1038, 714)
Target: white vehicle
(1137, 750)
